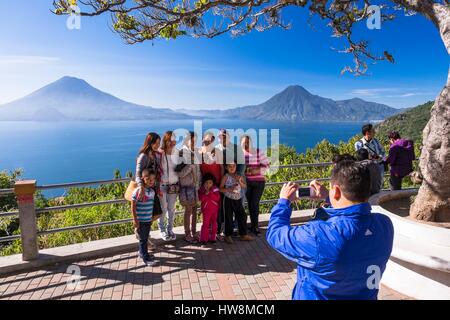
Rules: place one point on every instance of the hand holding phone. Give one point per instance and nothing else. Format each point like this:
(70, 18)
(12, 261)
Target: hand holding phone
(305, 192)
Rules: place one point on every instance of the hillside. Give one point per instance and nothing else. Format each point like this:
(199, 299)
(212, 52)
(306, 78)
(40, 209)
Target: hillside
(409, 124)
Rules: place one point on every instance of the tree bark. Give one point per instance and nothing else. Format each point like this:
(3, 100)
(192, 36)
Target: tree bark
(433, 200)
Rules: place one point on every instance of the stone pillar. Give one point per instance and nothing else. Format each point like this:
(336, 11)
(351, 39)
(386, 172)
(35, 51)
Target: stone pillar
(24, 191)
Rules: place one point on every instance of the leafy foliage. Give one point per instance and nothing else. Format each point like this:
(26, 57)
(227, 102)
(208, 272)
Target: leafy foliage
(409, 124)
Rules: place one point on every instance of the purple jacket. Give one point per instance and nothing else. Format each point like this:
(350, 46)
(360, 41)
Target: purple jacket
(401, 156)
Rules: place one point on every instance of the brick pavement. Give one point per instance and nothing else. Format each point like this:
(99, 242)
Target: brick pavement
(244, 270)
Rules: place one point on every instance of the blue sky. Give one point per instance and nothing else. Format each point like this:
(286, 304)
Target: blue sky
(37, 49)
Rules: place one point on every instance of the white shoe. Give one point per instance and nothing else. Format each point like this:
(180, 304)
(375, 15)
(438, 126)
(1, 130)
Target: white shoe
(172, 235)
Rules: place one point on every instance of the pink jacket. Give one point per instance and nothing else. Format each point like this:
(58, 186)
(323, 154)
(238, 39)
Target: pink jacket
(210, 201)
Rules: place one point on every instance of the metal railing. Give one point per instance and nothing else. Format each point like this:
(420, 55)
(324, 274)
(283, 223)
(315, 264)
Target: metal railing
(120, 201)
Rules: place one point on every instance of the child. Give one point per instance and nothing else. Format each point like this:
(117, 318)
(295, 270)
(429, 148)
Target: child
(142, 210)
(210, 197)
(231, 186)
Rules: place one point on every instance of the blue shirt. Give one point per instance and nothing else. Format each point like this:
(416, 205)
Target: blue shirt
(335, 258)
(144, 208)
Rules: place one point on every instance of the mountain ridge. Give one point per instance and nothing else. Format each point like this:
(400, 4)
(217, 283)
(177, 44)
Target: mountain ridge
(71, 98)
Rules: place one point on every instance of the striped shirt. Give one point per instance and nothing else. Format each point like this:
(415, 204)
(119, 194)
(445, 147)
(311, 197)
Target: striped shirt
(144, 208)
(257, 165)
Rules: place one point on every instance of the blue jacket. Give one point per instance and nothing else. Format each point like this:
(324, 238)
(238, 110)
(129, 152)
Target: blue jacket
(335, 257)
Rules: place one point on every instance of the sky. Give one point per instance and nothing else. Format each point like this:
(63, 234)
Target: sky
(37, 48)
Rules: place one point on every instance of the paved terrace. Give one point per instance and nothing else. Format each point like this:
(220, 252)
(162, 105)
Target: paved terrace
(244, 270)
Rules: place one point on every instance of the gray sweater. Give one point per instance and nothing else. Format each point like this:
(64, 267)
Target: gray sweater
(144, 161)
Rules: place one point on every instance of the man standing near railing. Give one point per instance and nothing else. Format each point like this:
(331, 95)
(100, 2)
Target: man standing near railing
(374, 147)
(344, 256)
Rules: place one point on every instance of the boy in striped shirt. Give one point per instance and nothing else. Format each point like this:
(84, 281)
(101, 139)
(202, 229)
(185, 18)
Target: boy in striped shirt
(142, 210)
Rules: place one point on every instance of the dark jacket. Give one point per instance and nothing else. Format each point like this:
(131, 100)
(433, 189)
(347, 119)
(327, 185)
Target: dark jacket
(375, 175)
(336, 258)
(401, 156)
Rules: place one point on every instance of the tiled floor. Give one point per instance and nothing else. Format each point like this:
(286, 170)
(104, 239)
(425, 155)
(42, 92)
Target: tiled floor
(244, 270)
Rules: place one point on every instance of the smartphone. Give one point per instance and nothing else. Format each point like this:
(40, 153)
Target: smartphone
(304, 192)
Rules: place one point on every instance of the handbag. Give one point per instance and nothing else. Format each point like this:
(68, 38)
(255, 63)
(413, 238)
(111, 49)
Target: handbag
(171, 188)
(188, 196)
(129, 192)
(181, 165)
(157, 210)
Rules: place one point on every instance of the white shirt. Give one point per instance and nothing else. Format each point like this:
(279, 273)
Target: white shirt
(168, 164)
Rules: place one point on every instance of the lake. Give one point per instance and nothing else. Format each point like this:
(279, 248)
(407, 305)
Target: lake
(56, 152)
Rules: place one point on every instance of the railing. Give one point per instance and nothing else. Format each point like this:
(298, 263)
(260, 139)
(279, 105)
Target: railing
(24, 190)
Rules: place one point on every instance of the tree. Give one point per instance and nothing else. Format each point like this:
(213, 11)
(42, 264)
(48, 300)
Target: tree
(142, 20)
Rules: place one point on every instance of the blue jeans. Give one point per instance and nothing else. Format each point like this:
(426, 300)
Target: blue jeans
(144, 234)
(168, 209)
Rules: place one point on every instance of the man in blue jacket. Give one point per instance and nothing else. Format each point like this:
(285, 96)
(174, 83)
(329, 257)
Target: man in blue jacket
(344, 256)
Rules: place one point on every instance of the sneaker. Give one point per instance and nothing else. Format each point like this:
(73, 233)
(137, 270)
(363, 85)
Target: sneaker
(172, 236)
(246, 238)
(220, 238)
(165, 236)
(228, 240)
(203, 244)
(149, 260)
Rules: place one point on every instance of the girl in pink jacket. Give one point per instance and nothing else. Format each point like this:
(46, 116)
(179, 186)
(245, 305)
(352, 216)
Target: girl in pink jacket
(210, 197)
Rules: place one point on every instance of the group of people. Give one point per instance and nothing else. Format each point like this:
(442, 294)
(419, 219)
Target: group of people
(341, 253)
(218, 176)
(370, 153)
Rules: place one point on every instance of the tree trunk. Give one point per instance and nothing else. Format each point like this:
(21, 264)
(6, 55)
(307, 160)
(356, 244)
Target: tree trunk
(433, 200)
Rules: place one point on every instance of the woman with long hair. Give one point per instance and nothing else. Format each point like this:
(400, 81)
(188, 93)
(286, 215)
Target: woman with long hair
(256, 165)
(169, 185)
(149, 157)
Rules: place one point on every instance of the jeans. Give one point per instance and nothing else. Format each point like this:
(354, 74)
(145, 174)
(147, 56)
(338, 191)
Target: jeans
(234, 208)
(144, 234)
(168, 209)
(254, 193)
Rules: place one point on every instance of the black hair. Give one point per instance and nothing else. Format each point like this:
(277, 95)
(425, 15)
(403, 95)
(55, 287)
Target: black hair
(353, 180)
(394, 135)
(362, 154)
(341, 157)
(150, 172)
(366, 128)
(208, 176)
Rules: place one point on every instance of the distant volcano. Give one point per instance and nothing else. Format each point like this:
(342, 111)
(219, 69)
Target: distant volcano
(71, 98)
(295, 103)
